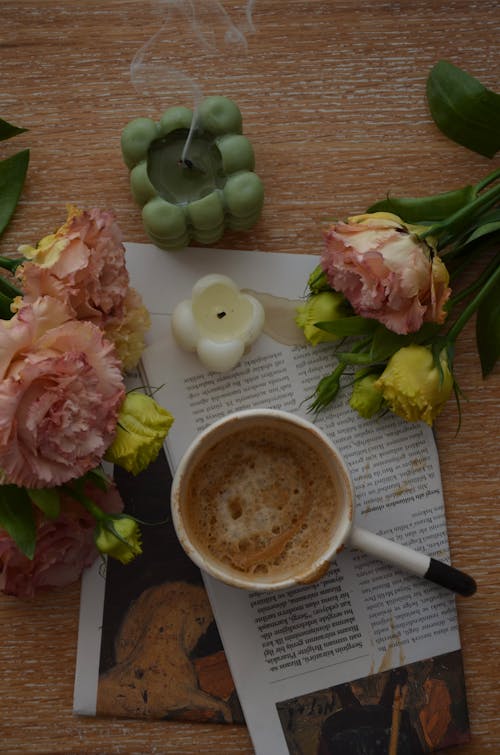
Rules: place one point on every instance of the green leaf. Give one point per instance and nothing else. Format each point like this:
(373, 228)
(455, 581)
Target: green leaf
(47, 499)
(348, 326)
(352, 357)
(8, 289)
(11, 263)
(426, 209)
(491, 226)
(385, 342)
(16, 516)
(7, 130)
(5, 311)
(488, 330)
(12, 174)
(318, 281)
(463, 109)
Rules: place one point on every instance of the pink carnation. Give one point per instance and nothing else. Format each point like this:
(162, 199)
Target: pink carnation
(61, 388)
(386, 272)
(64, 547)
(127, 333)
(82, 264)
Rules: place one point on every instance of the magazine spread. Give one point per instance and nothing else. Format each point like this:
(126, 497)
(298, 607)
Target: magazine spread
(368, 649)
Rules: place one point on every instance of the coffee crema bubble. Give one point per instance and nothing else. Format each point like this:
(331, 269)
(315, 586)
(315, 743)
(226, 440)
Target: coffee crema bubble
(262, 502)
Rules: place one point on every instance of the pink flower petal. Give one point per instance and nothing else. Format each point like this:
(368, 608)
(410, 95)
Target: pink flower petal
(385, 272)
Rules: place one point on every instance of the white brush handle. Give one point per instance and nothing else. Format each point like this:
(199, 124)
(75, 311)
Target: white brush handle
(412, 561)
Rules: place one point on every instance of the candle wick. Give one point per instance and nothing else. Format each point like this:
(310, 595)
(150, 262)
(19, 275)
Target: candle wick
(220, 315)
(187, 163)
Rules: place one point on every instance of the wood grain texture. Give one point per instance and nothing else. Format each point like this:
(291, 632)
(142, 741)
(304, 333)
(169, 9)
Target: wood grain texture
(333, 100)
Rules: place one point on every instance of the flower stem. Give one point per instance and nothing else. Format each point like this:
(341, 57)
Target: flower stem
(477, 283)
(8, 289)
(87, 503)
(11, 263)
(455, 222)
(470, 248)
(5, 311)
(472, 307)
(487, 180)
(329, 386)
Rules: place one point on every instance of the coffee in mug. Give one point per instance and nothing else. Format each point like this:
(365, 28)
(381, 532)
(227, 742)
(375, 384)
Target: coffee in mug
(260, 500)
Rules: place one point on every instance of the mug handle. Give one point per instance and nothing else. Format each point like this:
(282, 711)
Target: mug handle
(412, 561)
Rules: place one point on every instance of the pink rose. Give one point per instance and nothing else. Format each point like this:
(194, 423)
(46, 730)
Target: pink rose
(82, 264)
(64, 547)
(386, 272)
(61, 388)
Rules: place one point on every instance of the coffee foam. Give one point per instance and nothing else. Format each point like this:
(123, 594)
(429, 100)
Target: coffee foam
(262, 502)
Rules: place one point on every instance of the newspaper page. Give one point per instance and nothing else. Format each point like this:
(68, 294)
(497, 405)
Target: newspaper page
(92, 596)
(364, 616)
(365, 631)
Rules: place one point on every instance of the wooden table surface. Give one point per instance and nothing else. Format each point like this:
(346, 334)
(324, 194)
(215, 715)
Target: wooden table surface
(333, 100)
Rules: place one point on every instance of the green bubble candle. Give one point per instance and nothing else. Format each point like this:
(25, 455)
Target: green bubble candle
(193, 173)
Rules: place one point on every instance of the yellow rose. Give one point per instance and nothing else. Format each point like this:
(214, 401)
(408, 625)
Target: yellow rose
(323, 307)
(413, 386)
(366, 399)
(119, 537)
(142, 428)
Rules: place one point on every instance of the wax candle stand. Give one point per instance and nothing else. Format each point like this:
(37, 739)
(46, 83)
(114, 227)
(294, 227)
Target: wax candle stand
(193, 173)
(219, 322)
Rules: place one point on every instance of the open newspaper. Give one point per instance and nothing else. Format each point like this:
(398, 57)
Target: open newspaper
(366, 654)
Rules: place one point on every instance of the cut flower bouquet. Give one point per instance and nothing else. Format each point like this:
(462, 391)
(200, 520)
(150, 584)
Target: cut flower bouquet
(71, 328)
(387, 292)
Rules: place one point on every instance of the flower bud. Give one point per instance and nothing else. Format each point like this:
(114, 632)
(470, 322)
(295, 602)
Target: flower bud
(366, 399)
(119, 537)
(415, 387)
(323, 307)
(142, 428)
(318, 281)
(327, 390)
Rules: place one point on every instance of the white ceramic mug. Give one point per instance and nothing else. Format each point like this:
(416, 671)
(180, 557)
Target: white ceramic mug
(345, 533)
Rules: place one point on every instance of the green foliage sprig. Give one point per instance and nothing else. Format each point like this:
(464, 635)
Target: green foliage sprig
(463, 109)
(459, 225)
(13, 171)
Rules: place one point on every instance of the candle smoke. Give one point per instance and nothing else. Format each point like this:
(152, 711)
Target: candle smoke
(209, 38)
(208, 35)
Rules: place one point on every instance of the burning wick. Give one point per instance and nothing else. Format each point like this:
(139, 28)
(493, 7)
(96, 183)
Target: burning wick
(187, 163)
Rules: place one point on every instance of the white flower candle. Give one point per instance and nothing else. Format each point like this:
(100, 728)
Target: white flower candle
(219, 322)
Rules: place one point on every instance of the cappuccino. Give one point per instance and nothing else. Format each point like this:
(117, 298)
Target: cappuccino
(263, 500)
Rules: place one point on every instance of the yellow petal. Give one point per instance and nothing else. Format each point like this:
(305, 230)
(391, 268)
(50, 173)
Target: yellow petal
(413, 386)
(127, 530)
(142, 427)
